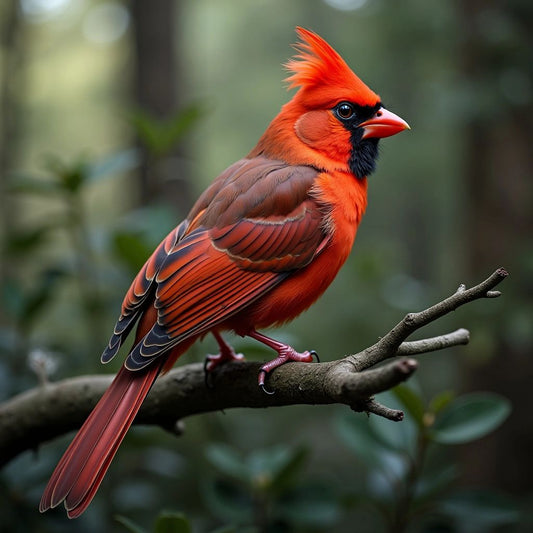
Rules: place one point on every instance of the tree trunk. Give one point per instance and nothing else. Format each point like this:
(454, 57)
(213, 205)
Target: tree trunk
(498, 170)
(157, 92)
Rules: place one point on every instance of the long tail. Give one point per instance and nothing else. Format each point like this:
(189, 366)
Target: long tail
(85, 462)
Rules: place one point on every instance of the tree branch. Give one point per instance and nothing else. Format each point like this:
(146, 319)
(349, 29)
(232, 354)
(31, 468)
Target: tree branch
(455, 338)
(53, 409)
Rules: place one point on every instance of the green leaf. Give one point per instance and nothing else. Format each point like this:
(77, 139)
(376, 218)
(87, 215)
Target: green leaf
(69, 176)
(130, 525)
(172, 523)
(381, 483)
(398, 436)
(412, 402)
(229, 500)
(273, 469)
(441, 401)
(470, 417)
(287, 474)
(375, 451)
(228, 461)
(357, 433)
(160, 136)
(132, 249)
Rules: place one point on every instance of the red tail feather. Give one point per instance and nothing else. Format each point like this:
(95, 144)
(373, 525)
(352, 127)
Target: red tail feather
(83, 466)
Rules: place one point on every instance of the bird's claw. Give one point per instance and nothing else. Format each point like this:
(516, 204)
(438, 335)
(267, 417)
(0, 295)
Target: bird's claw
(306, 357)
(213, 361)
(207, 373)
(314, 354)
(262, 378)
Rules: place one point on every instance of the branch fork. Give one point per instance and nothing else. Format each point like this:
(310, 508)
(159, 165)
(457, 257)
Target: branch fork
(45, 412)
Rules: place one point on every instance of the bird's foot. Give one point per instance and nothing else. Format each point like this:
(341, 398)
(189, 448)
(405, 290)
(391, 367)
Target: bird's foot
(285, 354)
(226, 354)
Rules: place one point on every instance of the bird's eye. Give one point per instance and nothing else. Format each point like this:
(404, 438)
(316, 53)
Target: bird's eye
(345, 111)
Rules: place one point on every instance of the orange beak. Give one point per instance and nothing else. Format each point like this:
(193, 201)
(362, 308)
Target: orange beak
(383, 124)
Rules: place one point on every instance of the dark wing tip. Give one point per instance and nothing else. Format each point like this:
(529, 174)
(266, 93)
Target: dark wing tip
(111, 349)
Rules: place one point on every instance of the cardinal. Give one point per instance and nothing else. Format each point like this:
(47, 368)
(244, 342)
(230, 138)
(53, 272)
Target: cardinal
(260, 245)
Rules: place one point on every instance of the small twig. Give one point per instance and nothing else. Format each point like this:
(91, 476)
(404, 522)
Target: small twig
(371, 406)
(389, 344)
(455, 338)
(375, 381)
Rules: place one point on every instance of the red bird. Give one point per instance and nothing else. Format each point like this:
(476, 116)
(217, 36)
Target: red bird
(261, 244)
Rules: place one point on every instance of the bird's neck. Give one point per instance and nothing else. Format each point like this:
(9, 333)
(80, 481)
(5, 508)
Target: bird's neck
(347, 198)
(280, 141)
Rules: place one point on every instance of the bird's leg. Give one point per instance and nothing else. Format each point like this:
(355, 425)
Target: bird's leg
(285, 354)
(227, 353)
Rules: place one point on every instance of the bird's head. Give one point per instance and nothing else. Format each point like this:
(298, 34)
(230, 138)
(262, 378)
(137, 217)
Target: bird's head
(333, 113)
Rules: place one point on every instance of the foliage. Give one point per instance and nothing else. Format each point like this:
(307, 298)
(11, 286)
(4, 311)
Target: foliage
(410, 477)
(64, 187)
(161, 136)
(266, 489)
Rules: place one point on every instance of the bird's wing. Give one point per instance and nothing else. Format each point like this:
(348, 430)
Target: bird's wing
(239, 244)
(141, 292)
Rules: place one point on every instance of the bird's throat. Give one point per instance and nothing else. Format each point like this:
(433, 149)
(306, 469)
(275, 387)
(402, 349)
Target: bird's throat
(364, 155)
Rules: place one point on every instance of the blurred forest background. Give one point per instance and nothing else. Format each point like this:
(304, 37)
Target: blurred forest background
(116, 115)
